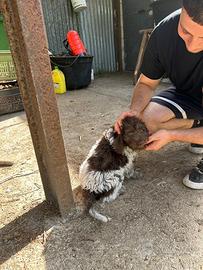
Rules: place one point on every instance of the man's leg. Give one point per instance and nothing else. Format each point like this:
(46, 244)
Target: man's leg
(183, 107)
(158, 116)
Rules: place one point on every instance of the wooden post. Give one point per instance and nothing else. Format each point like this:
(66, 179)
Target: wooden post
(117, 23)
(146, 34)
(28, 42)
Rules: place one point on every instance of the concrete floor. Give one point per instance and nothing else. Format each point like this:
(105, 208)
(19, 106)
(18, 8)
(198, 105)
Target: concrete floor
(157, 224)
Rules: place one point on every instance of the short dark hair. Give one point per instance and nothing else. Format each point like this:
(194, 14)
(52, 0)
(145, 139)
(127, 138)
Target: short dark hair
(194, 9)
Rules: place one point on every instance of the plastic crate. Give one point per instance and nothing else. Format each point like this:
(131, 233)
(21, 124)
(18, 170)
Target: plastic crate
(10, 100)
(7, 69)
(4, 44)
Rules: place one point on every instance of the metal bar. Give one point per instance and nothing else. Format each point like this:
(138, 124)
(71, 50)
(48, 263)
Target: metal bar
(28, 42)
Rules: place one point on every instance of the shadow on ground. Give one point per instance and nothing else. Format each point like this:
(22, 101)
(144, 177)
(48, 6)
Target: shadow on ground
(23, 230)
(156, 224)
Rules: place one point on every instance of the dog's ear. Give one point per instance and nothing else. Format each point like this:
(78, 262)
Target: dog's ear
(118, 144)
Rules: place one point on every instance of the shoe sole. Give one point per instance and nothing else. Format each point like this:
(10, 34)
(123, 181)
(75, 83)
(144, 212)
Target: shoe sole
(195, 150)
(190, 184)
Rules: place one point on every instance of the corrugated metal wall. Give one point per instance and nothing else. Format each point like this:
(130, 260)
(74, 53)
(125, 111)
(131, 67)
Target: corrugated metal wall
(95, 26)
(58, 17)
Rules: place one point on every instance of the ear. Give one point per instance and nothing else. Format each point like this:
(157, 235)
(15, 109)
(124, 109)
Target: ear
(118, 144)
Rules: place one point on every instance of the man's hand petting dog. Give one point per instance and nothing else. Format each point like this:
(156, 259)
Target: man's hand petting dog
(118, 123)
(158, 140)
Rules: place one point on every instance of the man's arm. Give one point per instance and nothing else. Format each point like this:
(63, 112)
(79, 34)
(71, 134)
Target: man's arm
(193, 135)
(142, 94)
(163, 137)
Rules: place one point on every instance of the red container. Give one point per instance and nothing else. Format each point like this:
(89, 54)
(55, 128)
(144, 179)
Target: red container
(76, 45)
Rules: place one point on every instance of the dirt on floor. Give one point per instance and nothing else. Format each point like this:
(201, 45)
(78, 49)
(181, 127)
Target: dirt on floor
(156, 224)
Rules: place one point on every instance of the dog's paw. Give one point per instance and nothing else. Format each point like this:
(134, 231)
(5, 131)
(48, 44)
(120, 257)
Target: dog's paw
(122, 191)
(106, 219)
(134, 174)
(137, 173)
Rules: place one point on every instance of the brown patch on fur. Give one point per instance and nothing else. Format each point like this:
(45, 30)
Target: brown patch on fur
(134, 133)
(118, 144)
(88, 198)
(106, 158)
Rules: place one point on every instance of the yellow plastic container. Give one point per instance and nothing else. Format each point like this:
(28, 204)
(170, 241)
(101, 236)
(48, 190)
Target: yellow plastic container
(59, 81)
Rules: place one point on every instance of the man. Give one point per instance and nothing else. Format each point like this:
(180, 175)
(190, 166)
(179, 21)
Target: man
(175, 48)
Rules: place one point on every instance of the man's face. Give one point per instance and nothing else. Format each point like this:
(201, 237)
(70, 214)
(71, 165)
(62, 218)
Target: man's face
(191, 32)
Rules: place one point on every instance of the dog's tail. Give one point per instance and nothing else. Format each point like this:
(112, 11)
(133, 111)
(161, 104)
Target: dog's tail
(91, 199)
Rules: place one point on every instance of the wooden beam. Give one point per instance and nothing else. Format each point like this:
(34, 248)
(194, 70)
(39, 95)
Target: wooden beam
(146, 35)
(117, 24)
(28, 42)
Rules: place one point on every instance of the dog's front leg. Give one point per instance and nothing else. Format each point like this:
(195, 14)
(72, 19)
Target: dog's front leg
(131, 170)
(116, 192)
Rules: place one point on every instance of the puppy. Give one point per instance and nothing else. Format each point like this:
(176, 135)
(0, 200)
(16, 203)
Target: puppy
(109, 161)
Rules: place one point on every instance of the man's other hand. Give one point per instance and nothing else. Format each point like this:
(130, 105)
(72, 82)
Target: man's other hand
(158, 140)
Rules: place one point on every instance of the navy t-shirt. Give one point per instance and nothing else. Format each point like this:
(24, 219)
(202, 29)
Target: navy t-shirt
(166, 52)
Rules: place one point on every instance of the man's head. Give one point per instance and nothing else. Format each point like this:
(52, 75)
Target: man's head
(190, 26)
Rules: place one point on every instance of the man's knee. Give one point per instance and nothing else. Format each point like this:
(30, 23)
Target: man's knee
(155, 114)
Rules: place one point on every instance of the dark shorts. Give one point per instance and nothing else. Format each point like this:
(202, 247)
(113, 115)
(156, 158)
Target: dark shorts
(181, 105)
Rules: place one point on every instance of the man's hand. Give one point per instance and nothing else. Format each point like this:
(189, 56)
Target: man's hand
(158, 140)
(118, 122)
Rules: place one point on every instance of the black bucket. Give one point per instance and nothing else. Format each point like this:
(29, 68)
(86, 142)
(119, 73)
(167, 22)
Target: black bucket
(76, 69)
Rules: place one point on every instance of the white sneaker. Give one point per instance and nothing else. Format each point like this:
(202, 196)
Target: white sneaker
(194, 180)
(196, 148)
